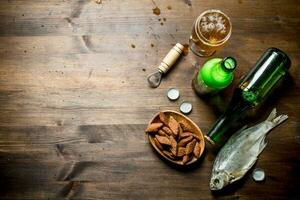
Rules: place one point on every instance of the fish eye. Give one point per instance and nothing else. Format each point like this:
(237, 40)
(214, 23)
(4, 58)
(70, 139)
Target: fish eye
(216, 181)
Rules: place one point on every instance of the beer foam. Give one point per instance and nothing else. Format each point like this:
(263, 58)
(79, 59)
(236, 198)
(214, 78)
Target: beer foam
(213, 23)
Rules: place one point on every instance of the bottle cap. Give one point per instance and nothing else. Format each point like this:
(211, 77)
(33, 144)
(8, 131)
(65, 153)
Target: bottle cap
(186, 107)
(258, 175)
(173, 94)
(228, 64)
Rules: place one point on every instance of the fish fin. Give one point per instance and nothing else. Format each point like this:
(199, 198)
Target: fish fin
(236, 134)
(276, 120)
(281, 118)
(262, 145)
(272, 115)
(243, 128)
(259, 145)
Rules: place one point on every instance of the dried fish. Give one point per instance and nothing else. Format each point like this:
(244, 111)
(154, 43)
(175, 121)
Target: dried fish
(241, 151)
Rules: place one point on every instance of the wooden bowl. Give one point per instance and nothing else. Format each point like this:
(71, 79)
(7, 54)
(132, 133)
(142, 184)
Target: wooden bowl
(180, 118)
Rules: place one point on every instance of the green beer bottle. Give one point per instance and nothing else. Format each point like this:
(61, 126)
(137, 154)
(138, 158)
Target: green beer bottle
(215, 75)
(252, 91)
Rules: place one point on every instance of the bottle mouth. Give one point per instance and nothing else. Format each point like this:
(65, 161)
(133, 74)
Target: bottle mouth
(229, 64)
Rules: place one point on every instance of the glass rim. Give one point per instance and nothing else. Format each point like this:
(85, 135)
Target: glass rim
(200, 36)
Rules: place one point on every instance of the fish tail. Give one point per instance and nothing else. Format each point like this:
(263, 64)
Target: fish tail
(276, 120)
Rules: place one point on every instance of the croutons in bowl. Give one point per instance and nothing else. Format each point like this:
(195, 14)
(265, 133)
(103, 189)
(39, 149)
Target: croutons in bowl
(176, 137)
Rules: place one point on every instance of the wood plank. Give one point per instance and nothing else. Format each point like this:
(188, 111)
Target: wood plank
(85, 17)
(74, 101)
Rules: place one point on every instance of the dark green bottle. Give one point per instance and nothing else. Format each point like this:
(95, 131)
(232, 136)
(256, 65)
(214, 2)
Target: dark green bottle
(251, 91)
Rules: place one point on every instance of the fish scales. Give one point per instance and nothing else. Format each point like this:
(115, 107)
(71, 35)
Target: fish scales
(241, 151)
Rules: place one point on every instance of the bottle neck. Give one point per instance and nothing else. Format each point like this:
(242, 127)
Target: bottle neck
(220, 78)
(214, 76)
(233, 112)
(221, 71)
(228, 64)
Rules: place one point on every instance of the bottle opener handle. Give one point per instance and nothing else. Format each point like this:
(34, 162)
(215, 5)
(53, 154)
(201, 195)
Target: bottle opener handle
(171, 58)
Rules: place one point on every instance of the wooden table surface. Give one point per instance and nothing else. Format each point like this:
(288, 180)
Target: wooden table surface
(74, 101)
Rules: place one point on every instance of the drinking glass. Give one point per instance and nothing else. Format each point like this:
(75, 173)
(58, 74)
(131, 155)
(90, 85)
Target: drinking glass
(210, 32)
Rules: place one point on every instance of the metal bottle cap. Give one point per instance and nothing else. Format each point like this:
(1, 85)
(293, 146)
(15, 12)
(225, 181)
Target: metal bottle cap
(173, 94)
(258, 175)
(186, 107)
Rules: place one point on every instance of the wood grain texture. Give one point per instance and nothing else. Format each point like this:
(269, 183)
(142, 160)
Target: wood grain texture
(74, 101)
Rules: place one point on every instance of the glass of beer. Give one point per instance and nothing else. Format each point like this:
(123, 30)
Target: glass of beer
(210, 32)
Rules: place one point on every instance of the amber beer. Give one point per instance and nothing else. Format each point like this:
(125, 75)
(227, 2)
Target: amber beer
(210, 32)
